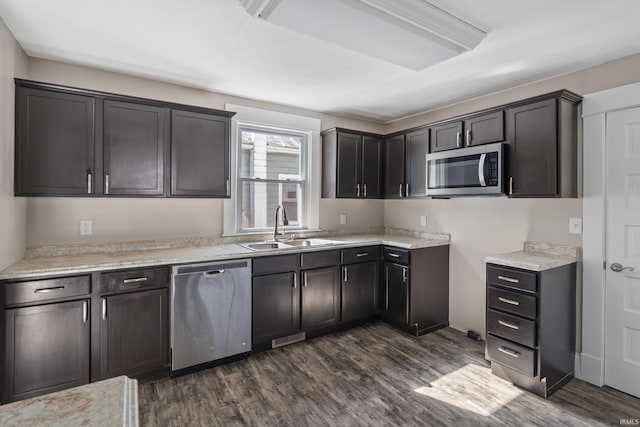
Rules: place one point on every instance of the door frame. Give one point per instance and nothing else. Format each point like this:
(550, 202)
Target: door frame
(595, 107)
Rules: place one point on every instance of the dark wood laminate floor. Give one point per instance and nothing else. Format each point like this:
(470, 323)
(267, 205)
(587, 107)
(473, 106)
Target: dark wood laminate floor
(372, 375)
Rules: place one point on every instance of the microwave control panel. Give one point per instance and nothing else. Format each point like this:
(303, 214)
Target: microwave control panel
(492, 169)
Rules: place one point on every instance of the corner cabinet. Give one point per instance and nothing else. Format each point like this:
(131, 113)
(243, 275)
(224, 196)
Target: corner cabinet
(351, 164)
(77, 142)
(543, 146)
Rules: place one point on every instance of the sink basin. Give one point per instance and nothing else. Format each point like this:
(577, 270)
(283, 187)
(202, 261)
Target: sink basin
(288, 244)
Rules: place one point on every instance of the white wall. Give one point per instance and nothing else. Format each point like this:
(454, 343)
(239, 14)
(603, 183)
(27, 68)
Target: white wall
(13, 210)
(56, 220)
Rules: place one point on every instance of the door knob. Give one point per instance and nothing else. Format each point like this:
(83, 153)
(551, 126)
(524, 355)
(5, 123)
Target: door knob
(617, 267)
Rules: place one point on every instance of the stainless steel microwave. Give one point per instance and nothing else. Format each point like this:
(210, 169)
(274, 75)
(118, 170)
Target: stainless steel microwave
(472, 171)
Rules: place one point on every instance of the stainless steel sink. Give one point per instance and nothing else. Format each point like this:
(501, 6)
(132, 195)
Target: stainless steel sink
(288, 244)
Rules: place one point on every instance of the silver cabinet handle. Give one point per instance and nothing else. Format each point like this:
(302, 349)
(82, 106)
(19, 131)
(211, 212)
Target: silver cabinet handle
(45, 290)
(458, 140)
(346, 275)
(85, 312)
(362, 254)
(406, 190)
(228, 188)
(304, 279)
(391, 254)
(106, 184)
(508, 301)
(89, 183)
(136, 280)
(357, 190)
(510, 185)
(364, 190)
(404, 274)
(104, 308)
(617, 267)
(509, 351)
(508, 279)
(508, 325)
(468, 137)
(295, 280)
(400, 191)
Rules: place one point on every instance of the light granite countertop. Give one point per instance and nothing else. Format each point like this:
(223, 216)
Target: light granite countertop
(103, 403)
(77, 262)
(537, 256)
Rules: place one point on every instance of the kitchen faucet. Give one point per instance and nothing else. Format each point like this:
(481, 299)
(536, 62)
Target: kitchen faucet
(285, 221)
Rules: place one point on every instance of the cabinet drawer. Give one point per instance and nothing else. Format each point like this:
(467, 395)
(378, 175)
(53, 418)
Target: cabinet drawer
(396, 255)
(42, 290)
(134, 279)
(512, 328)
(275, 264)
(511, 278)
(364, 254)
(319, 259)
(513, 302)
(512, 355)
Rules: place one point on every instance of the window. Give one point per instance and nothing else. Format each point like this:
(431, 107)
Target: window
(271, 171)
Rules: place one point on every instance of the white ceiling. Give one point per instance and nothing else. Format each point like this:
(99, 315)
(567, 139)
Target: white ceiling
(217, 45)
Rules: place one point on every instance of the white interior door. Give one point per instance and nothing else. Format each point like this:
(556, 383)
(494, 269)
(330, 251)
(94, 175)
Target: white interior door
(622, 338)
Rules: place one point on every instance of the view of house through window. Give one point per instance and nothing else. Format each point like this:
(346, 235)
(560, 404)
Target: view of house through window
(271, 172)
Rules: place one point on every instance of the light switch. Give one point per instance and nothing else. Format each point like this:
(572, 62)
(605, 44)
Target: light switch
(575, 225)
(343, 219)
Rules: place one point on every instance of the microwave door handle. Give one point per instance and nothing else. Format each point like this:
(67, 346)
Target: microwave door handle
(483, 159)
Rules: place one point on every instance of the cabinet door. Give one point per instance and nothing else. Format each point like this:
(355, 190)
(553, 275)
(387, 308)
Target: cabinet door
(532, 137)
(371, 167)
(397, 292)
(54, 143)
(134, 137)
(359, 290)
(199, 155)
(446, 136)
(134, 333)
(349, 165)
(276, 306)
(320, 298)
(484, 129)
(46, 349)
(394, 167)
(417, 147)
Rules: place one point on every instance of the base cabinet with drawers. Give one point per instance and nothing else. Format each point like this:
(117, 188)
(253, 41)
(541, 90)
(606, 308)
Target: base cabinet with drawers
(360, 282)
(416, 288)
(531, 326)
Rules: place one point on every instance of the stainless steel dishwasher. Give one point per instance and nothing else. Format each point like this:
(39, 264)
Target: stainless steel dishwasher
(211, 313)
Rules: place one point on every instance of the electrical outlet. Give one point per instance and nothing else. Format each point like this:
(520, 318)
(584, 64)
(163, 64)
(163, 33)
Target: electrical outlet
(86, 228)
(423, 220)
(343, 219)
(575, 225)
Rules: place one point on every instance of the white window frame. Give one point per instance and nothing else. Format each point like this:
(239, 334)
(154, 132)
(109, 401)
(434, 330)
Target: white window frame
(273, 119)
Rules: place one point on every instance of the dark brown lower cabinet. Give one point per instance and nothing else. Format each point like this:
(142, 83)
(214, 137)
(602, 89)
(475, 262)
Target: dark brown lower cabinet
(360, 290)
(134, 333)
(46, 349)
(276, 306)
(397, 292)
(320, 298)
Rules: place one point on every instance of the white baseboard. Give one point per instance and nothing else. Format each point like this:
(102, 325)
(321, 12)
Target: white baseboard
(590, 369)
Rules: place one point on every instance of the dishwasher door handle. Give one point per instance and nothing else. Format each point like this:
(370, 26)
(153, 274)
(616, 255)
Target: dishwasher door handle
(213, 272)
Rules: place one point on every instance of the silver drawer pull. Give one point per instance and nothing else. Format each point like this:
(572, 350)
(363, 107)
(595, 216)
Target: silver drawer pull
(213, 272)
(45, 290)
(508, 301)
(508, 279)
(136, 280)
(508, 351)
(391, 254)
(362, 254)
(508, 325)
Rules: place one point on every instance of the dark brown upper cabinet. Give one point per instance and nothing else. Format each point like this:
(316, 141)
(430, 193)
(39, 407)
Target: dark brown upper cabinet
(475, 130)
(54, 143)
(199, 154)
(78, 142)
(542, 138)
(405, 164)
(351, 164)
(134, 141)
